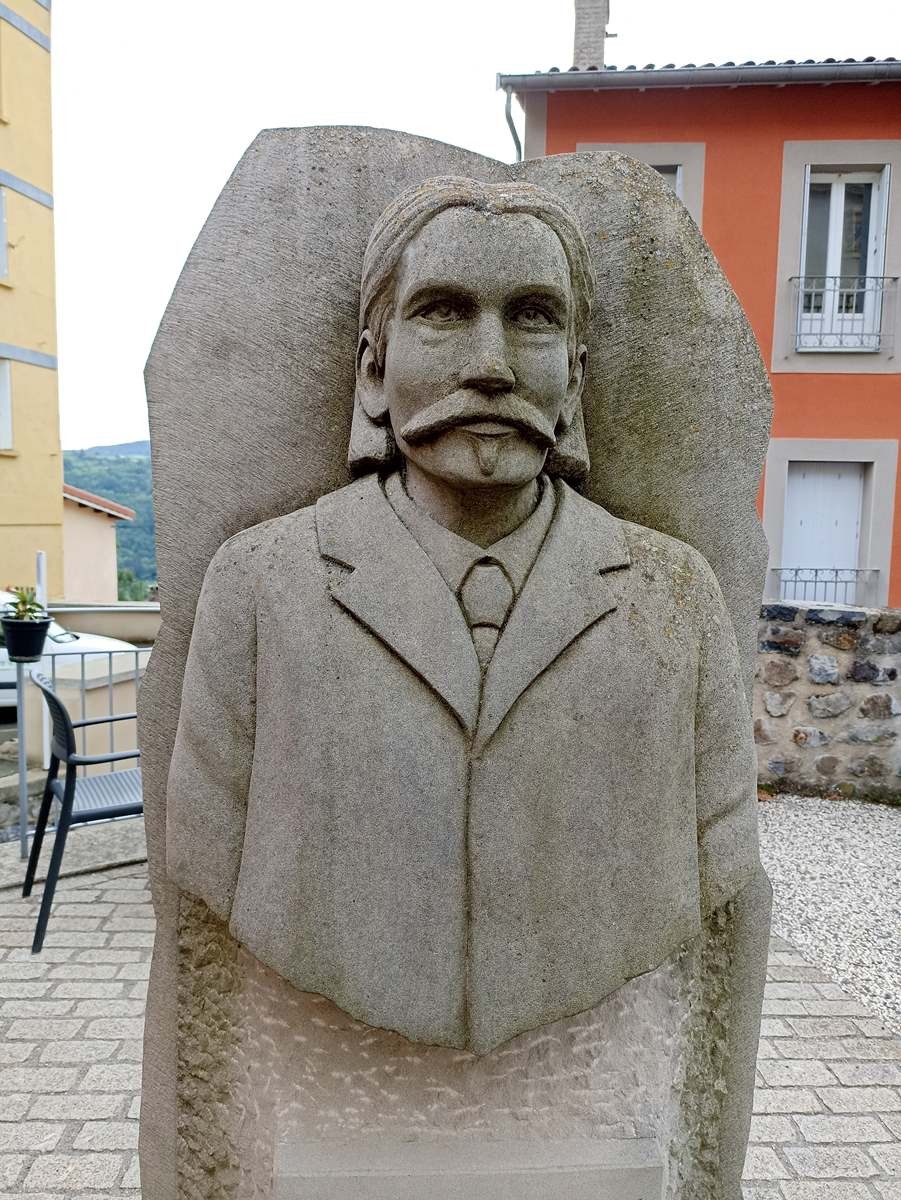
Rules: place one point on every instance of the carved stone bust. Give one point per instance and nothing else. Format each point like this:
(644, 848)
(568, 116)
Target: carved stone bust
(459, 749)
(461, 824)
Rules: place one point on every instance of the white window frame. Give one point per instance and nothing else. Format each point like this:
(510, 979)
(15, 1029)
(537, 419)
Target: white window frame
(863, 330)
(880, 460)
(666, 169)
(859, 154)
(6, 405)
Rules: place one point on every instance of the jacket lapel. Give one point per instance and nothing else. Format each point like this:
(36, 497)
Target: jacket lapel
(572, 585)
(393, 589)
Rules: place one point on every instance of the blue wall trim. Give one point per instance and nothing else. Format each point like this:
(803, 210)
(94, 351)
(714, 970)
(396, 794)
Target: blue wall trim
(34, 358)
(15, 184)
(23, 26)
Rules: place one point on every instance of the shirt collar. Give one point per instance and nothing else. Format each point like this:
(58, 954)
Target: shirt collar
(454, 556)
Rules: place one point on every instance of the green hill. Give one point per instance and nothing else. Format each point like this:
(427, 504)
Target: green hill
(122, 450)
(125, 478)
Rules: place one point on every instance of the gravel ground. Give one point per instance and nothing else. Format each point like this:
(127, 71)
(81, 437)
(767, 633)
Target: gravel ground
(836, 872)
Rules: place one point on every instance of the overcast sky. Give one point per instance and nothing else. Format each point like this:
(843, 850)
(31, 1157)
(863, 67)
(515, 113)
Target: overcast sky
(155, 101)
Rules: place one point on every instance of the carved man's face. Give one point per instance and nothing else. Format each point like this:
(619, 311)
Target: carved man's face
(477, 379)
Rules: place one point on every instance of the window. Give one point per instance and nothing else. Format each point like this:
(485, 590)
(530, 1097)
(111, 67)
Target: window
(841, 287)
(672, 174)
(6, 406)
(821, 532)
(828, 514)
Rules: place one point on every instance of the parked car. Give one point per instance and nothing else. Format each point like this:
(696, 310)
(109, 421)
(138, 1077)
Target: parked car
(59, 641)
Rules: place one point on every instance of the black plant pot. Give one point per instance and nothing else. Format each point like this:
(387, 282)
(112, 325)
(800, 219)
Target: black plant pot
(24, 639)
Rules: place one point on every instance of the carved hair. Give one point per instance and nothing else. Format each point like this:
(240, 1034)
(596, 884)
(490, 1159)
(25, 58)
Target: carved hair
(408, 215)
(373, 446)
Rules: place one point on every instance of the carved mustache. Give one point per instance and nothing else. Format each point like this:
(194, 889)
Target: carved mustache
(468, 406)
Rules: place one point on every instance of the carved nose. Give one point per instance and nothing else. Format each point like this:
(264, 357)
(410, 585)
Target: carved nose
(489, 370)
(490, 377)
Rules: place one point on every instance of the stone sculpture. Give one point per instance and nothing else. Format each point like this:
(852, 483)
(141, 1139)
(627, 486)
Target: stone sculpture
(464, 765)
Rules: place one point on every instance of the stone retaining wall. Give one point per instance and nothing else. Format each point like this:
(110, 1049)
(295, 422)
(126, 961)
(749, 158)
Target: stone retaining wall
(826, 701)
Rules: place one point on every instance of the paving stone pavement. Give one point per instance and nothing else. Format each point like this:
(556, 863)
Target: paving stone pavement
(827, 1108)
(827, 1123)
(71, 1022)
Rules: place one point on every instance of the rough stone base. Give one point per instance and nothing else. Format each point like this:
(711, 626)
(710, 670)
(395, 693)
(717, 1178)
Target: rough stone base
(262, 1065)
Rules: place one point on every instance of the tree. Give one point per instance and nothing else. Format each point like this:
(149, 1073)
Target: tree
(131, 588)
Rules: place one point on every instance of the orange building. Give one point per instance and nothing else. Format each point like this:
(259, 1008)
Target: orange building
(793, 173)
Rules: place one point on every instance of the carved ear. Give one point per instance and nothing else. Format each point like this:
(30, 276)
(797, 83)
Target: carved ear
(370, 387)
(372, 446)
(569, 458)
(573, 402)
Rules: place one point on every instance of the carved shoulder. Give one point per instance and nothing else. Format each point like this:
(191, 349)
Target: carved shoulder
(676, 571)
(252, 555)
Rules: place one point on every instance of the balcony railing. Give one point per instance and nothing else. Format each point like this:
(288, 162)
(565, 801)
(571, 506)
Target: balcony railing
(831, 585)
(844, 312)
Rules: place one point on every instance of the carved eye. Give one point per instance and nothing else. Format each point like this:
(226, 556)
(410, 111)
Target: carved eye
(442, 312)
(532, 316)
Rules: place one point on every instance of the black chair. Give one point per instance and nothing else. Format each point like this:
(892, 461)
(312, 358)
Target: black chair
(82, 798)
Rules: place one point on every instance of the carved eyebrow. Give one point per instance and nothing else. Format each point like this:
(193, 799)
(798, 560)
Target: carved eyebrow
(435, 290)
(542, 294)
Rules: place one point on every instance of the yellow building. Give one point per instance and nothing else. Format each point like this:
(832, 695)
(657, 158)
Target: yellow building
(31, 464)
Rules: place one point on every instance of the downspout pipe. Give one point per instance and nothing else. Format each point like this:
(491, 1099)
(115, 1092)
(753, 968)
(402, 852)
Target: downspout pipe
(511, 124)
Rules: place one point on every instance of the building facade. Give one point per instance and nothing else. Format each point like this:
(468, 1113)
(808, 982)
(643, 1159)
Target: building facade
(793, 173)
(89, 530)
(31, 464)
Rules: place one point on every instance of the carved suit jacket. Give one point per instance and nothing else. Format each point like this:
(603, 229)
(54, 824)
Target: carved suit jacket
(454, 860)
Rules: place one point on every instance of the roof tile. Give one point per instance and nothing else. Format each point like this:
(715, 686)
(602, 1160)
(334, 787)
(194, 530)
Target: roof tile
(770, 62)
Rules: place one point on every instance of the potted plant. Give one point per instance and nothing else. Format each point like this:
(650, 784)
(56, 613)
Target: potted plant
(25, 626)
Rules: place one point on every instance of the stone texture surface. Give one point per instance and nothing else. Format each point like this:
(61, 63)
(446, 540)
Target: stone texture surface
(266, 308)
(405, 1170)
(829, 679)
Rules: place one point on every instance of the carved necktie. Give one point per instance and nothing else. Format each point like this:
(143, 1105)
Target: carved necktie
(486, 596)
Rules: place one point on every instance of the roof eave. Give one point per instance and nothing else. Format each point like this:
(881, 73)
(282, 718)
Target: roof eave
(97, 503)
(683, 77)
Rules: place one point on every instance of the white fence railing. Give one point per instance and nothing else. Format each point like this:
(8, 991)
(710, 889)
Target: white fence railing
(844, 312)
(832, 585)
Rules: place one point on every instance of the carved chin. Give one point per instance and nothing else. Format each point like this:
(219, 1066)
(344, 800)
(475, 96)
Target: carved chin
(487, 448)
